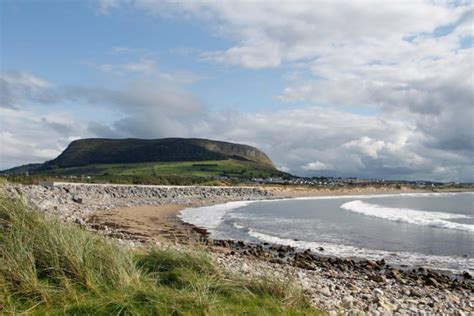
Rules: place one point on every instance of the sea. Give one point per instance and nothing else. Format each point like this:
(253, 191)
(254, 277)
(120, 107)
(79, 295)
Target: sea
(434, 230)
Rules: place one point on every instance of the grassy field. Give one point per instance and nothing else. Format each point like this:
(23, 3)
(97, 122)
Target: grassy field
(229, 168)
(218, 172)
(48, 267)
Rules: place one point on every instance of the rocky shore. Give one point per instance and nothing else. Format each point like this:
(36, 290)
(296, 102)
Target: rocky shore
(76, 201)
(338, 285)
(355, 287)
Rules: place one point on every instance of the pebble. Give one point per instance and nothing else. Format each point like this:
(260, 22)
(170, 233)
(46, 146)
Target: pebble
(325, 291)
(377, 292)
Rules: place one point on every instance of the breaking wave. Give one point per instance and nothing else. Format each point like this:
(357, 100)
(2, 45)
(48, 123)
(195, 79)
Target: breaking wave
(410, 216)
(209, 217)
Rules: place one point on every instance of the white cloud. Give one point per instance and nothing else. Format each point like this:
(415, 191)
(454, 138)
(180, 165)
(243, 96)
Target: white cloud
(30, 137)
(316, 166)
(147, 67)
(104, 6)
(16, 86)
(144, 66)
(267, 35)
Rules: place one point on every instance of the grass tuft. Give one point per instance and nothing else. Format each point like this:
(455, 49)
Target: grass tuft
(50, 267)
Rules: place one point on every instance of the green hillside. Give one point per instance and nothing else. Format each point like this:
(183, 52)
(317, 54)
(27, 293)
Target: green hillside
(213, 168)
(179, 157)
(105, 151)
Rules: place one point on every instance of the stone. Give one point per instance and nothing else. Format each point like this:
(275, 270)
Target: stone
(77, 199)
(452, 298)
(377, 292)
(80, 222)
(355, 312)
(371, 264)
(347, 302)
(432, 282)
(377, 278)
(415, 293)
(324, 291)
(394, 274)
(388, 307)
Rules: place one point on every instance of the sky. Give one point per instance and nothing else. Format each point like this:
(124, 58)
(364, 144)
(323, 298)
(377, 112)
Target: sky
(369, 89)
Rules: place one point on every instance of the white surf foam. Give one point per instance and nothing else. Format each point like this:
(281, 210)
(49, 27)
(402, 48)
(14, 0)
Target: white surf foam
(369, 196)
(210, 217)
(410, 216)
(449, 263)
(239, 226)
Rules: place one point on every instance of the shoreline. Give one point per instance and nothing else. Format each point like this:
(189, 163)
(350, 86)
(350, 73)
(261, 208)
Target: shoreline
(172, 210)
(171, 226)
(333, 283)
(166, 224)
(236, 243)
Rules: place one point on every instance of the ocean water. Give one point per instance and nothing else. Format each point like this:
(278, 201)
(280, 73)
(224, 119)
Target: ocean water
(416, 229)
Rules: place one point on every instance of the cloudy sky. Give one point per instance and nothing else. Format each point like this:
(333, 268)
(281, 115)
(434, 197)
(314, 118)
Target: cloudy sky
(345, 88)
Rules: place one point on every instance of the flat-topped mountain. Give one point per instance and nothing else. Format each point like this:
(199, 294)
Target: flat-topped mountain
(107, 151)
(131, 156)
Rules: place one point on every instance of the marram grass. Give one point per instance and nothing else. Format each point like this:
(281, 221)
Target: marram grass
(49, 267)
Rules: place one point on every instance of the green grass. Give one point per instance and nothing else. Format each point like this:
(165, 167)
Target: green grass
(230, 168)
(218, 172)
(113, 179)
(48, 267)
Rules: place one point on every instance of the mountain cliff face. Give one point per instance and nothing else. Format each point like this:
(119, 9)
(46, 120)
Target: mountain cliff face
(109, 151)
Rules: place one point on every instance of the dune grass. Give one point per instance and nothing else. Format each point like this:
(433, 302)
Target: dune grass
(49, 267)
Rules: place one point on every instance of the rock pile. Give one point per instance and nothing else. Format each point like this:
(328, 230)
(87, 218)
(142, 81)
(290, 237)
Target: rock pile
(363, 288)
(75, 202)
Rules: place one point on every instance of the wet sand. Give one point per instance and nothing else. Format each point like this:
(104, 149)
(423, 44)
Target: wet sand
(145, 223)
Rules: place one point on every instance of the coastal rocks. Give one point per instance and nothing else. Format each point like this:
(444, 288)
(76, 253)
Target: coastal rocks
(432, 282)
(377, 278)
(358, 286)
(377, 292)
(394, 274)
(351, 293)
(324, 291)
(377, 272)
(75, 201)
(348, 302)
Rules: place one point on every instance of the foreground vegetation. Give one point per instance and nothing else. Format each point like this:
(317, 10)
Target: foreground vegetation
(48, 267)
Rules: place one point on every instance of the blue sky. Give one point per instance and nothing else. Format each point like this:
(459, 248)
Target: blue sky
(65, 40)
(328, 87)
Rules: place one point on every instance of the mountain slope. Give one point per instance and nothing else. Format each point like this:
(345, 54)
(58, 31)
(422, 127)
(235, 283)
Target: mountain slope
(104, 151)
(183, 156)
